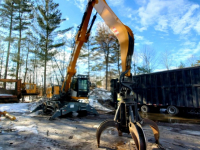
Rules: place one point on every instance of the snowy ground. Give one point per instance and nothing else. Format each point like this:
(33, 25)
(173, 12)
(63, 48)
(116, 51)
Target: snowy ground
(15, 107)
(94, 96)
(28, 107)
(34, 131)
(39, 133)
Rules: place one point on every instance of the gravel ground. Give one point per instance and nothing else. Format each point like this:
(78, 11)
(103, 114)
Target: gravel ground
(36, 132)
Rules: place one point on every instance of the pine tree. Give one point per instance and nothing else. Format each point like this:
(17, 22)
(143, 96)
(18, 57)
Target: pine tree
(34, 61)
(49, 19)
(7, 15)
(28, 45)
(23, 17)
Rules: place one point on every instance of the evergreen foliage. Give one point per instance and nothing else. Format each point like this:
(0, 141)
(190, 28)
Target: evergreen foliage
(49, 19)
(7, 20)
(23, 10)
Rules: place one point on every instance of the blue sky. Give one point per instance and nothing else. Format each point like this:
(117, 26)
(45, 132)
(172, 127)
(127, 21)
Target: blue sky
(165, 25)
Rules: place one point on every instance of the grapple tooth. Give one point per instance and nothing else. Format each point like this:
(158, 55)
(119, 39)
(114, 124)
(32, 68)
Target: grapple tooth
(154, 128)
(138, 136)
(102, 127)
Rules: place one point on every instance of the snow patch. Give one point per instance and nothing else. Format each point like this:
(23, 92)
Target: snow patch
(99, 94)
(94, 103)
(31, 128)
(15, 107)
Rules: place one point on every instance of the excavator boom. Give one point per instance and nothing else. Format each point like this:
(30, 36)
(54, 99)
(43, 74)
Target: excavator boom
(81, 38)
(122, 32)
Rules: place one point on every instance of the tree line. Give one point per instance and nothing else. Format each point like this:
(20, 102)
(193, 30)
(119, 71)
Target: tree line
(103, 51)
(31, 48)
(29, 37)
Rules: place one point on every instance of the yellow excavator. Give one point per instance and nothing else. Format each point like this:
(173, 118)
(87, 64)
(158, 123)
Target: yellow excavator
(127, 118)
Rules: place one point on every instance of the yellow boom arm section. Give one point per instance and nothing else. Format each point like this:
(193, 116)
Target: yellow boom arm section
(122, 32)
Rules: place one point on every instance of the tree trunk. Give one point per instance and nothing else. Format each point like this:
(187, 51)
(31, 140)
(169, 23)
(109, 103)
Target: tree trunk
(1, 65)
(107, 71)
(19, 43)
(26, 65)
(8, 52)
(45, 63)
(88, 61)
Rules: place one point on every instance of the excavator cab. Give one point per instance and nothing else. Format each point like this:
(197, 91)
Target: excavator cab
(80, 86)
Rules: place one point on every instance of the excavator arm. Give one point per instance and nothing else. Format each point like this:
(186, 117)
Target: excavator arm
(121, 31)
(81, 38)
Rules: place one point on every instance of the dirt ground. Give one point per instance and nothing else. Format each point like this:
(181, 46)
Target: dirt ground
(74, 133)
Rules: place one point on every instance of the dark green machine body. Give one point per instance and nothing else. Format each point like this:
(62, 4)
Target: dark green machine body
(68, 102)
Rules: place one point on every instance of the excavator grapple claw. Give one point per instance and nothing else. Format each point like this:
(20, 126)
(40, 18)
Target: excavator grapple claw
(138, 135)
(105, 124)
(154, 128)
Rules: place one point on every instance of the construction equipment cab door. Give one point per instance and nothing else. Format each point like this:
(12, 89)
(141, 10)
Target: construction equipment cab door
(80, 87)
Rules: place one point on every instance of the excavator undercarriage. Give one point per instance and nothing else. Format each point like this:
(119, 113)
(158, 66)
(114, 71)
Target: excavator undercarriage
(60, 104)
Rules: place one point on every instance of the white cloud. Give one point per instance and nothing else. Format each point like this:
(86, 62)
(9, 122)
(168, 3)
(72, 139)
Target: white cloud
(197, 26)
(115, 3)
(181, 16)
(197, 49)
(184, 53)
(70, 34)
(67, 18)
(141, 2)
(140, 29)
(147, 42)
(136, 44)
(81, 4)
(162, 24)
(141, 40)
(190, 44)
(185, 23)
(137, 37)
(148, 13)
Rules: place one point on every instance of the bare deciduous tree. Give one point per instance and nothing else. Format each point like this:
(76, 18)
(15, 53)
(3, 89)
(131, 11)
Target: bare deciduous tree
(149, 58)
(167, 59)
(192, 61)
(104, 43)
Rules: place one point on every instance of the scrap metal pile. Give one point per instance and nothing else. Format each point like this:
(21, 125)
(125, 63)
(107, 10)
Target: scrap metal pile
(100, 99)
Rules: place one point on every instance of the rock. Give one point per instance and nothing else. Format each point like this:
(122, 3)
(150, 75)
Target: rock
(47, 132)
